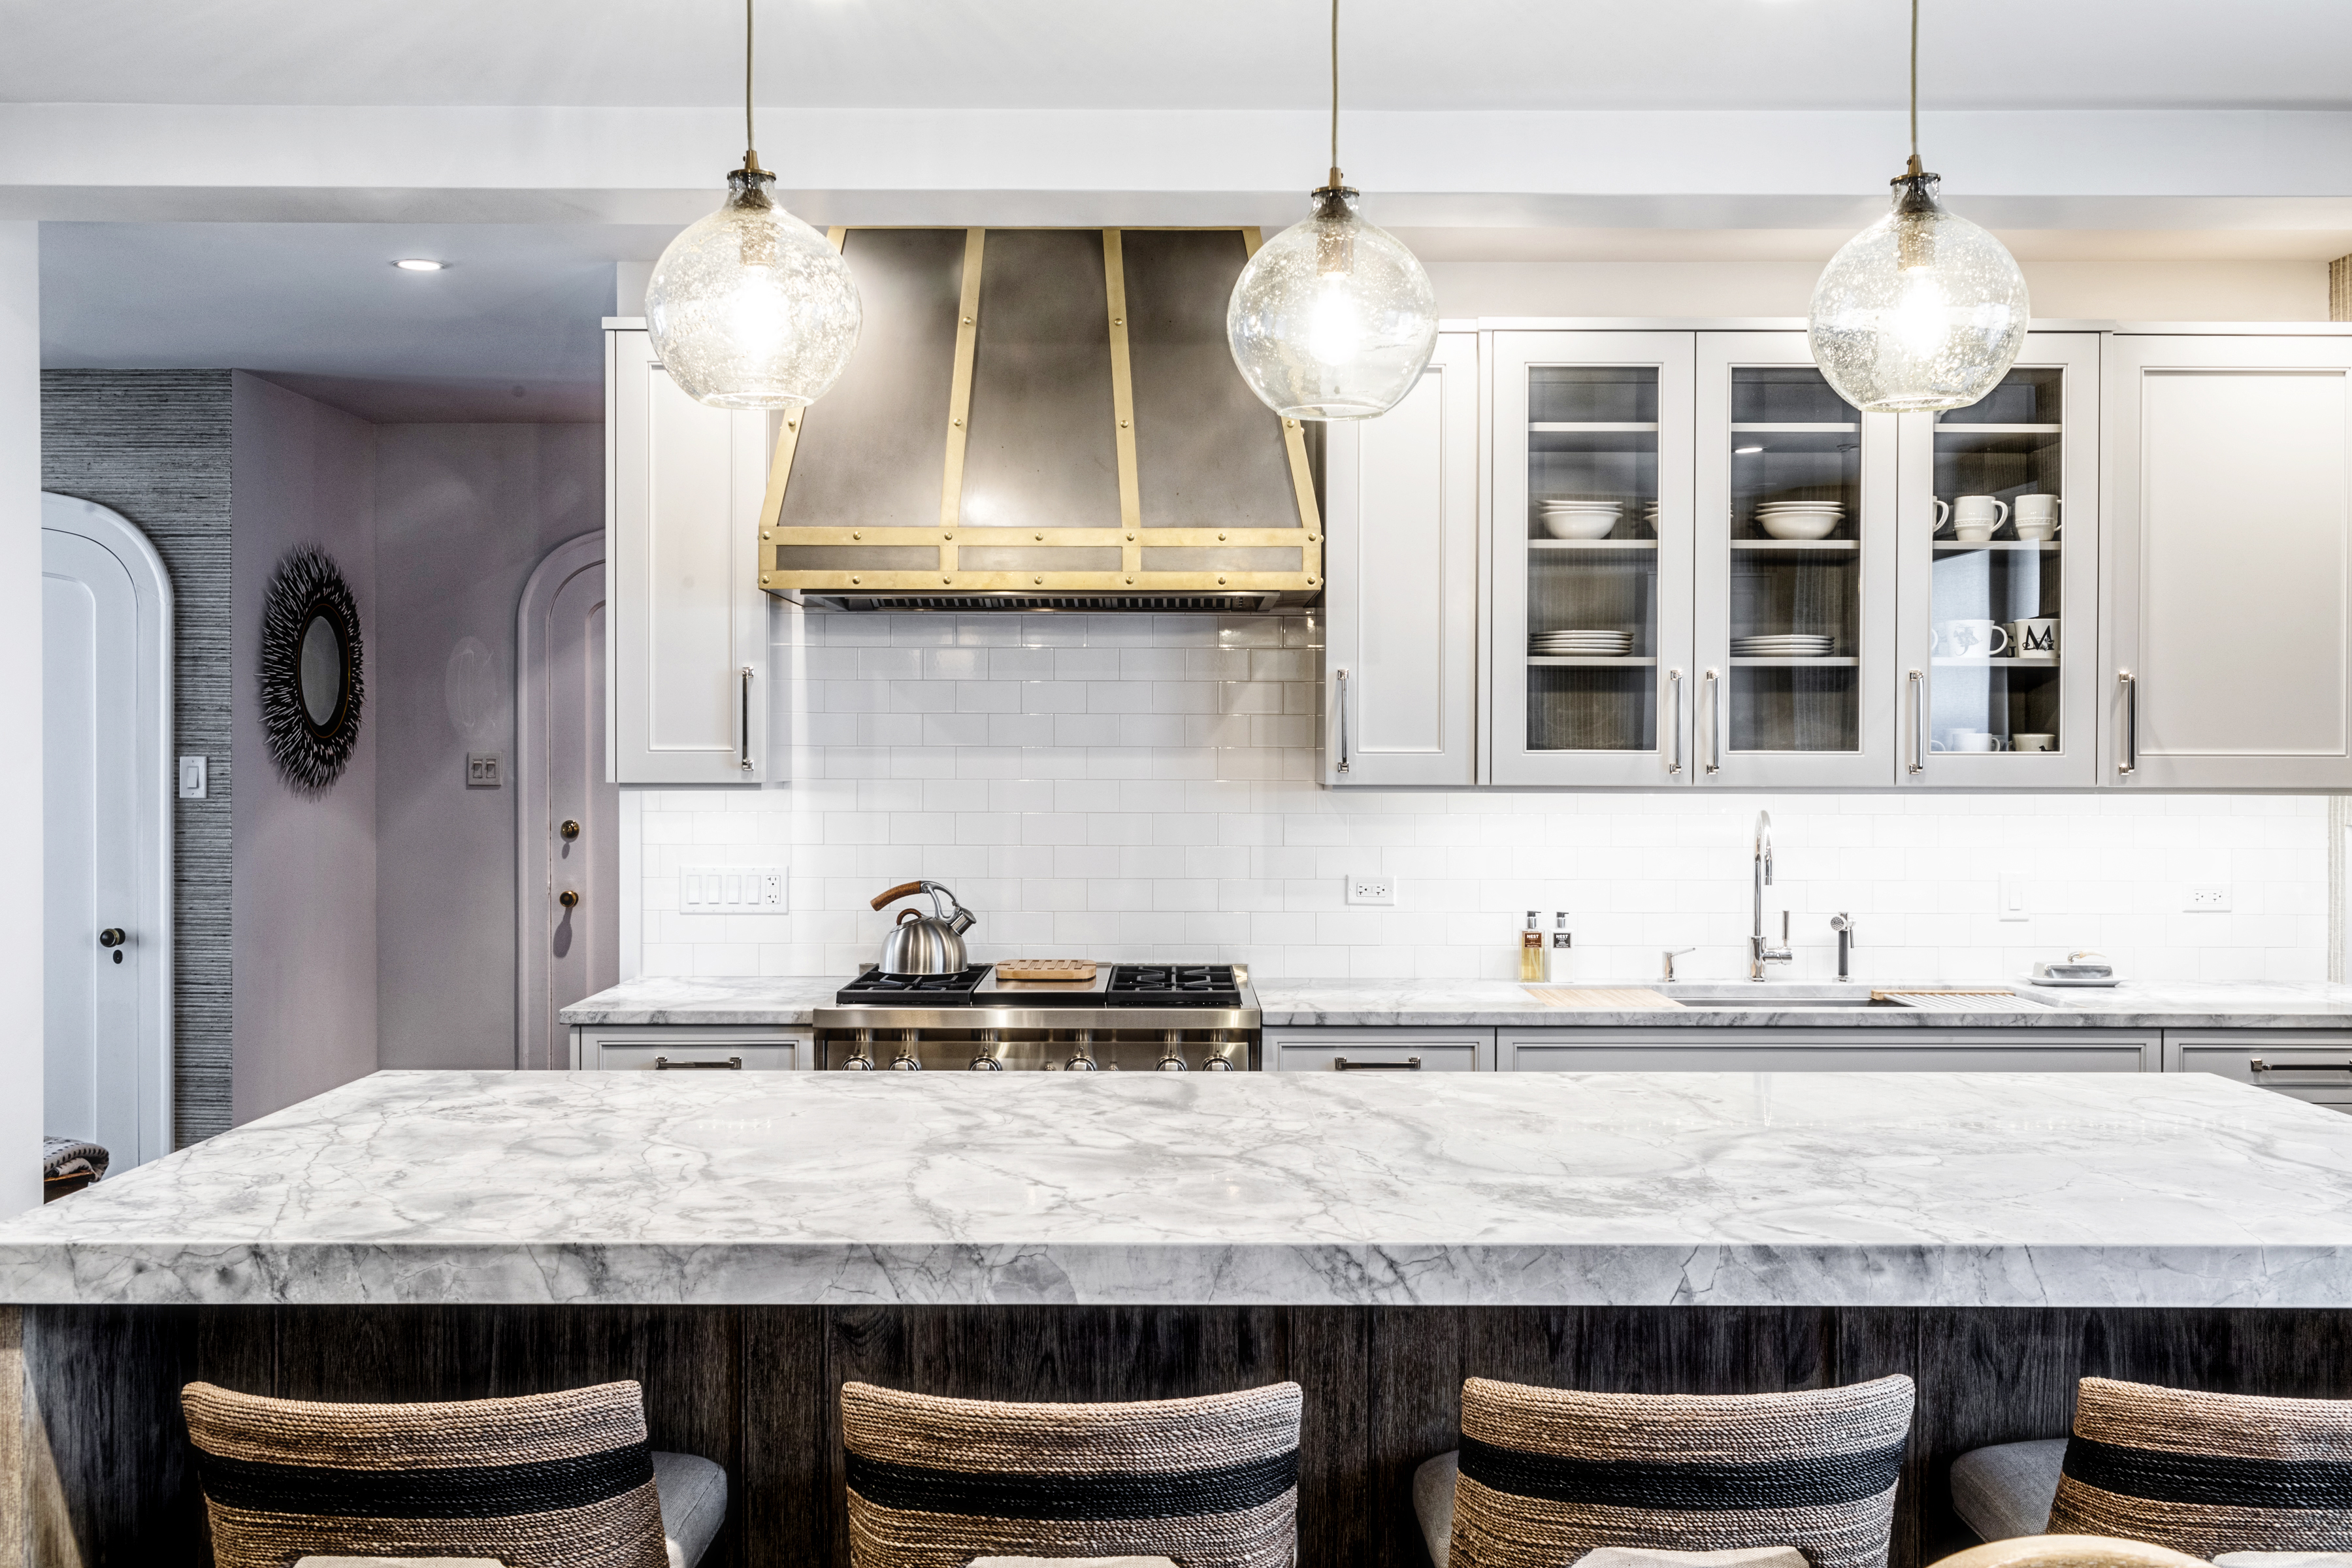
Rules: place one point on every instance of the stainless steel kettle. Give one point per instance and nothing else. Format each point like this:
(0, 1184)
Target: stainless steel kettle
(921, 943)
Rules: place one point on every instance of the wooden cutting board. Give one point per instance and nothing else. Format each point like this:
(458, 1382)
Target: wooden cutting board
(1602, 998)
(1076, 971)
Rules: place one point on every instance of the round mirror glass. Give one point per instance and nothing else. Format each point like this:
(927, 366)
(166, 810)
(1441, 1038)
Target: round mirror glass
(322, 670)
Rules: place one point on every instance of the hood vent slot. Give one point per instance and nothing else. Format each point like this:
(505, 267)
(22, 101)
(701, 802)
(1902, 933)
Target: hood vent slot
(1043, 419)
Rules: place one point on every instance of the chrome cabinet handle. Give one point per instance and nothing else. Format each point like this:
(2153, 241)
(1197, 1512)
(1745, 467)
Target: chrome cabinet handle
(732, 1064)
(1919, 763)
(1713, 724)
(1343, 721)
(1674, 686)
(2261, 1066)
(1341, 1064)
(2129, 762)
(746, 762)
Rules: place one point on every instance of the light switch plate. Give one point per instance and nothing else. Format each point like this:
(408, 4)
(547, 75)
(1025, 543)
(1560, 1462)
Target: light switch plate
(482, 771)
(192, 778)
(2012, 897)
(733, 889)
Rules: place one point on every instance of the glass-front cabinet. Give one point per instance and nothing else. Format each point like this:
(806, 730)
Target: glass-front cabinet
(1794, 618)
(1999, 562)
(1592, 539)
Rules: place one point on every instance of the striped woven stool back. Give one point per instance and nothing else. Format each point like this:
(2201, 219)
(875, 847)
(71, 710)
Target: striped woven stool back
(933, 1483)
(553, 1480)
(2207, 1473)
(1551, 1474)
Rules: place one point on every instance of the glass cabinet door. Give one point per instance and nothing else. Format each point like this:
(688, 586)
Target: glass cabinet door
(2000, 542)
(1590, 536)
(1795, 571)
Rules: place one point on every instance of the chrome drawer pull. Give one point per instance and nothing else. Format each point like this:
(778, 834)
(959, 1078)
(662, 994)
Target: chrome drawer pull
(732, 1064)
(1341, 1064)
(2261, 1066)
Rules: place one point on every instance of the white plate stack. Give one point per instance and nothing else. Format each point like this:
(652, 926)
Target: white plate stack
(1573, 516)
(1800, 519)
(1580, 645)
(1791, 644)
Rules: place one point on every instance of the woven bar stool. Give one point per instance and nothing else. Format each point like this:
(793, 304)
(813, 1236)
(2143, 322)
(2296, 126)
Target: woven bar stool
(2210, 1475)
(1546, 1476)
(936, 1483)
(550, 1480)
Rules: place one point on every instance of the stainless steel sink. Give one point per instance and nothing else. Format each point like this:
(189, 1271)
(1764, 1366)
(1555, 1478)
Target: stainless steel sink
(1785, 1004)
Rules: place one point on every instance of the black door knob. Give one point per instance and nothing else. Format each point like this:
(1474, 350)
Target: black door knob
(112, 936)
(567, 898)
(570, 830)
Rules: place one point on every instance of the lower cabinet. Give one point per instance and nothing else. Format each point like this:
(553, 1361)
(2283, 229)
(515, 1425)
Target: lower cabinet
(1380, 1050)
(2310, 1064)
(1828, 1050)
(661, 1047)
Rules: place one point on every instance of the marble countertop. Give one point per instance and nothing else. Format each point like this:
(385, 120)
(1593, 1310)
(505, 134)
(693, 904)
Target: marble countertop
(1979, 1189)
(1491, 1004)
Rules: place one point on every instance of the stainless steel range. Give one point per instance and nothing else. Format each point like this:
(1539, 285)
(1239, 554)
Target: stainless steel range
(1128, 1017)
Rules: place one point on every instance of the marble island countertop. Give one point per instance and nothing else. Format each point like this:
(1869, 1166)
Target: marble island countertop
(1607, 1188)
(1492, 1004)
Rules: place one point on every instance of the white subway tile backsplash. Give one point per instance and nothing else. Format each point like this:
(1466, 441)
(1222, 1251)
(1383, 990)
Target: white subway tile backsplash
(1132, 786)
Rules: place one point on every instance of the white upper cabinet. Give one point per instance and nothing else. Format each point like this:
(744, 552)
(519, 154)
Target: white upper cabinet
(1794, 620)
(1589, 558)
(2229, 563)
(1999, 565)
(1401, 554)
(688, 643)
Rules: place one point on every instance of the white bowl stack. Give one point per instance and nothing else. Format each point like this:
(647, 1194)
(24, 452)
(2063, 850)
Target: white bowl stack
(1580, 645)
(1571, 517)
(1800, 519)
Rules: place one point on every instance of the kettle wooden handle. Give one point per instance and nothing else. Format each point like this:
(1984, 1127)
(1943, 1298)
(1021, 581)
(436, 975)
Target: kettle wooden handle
(900, 891)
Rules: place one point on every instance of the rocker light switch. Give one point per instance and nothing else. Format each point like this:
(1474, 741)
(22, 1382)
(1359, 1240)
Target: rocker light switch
(192, 778)
(482, 770)
(731, 889)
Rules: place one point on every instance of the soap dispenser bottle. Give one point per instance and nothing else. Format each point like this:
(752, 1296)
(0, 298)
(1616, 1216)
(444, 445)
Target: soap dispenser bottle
(1531, 948)
(1560, 961)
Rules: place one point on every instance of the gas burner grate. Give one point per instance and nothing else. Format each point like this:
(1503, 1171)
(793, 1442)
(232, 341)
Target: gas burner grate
(1175, 985)
(939, 989)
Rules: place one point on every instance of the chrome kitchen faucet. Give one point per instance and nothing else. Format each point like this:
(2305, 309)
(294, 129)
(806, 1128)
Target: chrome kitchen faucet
(1759, 956)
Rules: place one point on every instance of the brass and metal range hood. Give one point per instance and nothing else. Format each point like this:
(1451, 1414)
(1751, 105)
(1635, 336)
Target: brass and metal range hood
(1043, 419)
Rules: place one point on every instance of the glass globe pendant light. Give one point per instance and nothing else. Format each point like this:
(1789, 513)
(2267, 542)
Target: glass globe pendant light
(1333, 318)
(1922, 310)
(750, 307)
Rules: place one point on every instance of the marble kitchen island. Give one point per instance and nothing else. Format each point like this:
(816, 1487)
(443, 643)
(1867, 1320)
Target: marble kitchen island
(742, 1243)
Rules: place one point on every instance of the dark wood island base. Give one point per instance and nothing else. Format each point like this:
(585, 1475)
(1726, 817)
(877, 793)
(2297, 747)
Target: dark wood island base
(103, 1476)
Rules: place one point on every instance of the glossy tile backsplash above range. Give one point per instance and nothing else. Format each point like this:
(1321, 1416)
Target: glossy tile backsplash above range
(1138, 786)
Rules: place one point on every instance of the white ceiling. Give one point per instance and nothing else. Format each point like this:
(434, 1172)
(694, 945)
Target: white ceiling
(1195, 54)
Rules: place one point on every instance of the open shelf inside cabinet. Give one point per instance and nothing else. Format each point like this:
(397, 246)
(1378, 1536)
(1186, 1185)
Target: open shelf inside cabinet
(1797, 546)
(1613, 543)
(1963, 547)
(1822, 661)
(1590, 661)
(1592, 705)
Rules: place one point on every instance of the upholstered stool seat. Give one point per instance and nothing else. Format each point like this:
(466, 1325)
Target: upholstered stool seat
(1547, 1477)
(552, 1480)
(937, 1483)
(2212, 1476)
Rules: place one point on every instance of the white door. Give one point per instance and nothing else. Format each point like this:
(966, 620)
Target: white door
(568, 811)
(690, 621)
(106, 937)
(1401, 560)
(2229, 563)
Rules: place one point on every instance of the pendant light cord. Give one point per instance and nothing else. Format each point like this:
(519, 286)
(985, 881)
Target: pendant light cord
(751, 142)
(1916, 164)
(1336, 180)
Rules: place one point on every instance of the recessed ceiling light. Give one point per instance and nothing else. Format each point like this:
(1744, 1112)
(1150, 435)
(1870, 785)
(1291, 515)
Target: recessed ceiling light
(419, 264)
(1745, 451)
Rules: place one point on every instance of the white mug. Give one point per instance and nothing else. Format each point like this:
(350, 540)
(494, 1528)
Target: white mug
(1976, 740)
(1971, 639)
(2034, 743)
(1976, 519)
(2037, 517)
(2036, 638)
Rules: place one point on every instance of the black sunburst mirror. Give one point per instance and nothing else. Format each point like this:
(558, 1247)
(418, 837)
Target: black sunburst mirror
(310, 670)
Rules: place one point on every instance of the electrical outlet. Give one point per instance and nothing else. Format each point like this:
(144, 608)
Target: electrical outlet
(732, 890)
(2208, 899)
(2012, 897)
(1371, 890)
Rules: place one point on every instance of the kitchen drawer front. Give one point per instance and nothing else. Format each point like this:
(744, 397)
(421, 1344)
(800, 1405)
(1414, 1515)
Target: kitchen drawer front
(2310, 1064)
(1829, 1050)
(1380, 1050)
(688, 1050)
